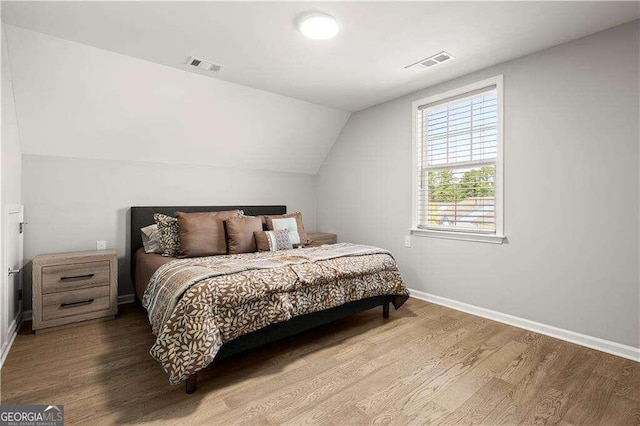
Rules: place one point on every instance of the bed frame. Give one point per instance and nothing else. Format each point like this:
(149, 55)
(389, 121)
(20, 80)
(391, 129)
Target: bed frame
(143, 216)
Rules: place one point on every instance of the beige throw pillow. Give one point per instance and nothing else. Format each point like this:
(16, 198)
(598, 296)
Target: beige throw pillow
(273, 240)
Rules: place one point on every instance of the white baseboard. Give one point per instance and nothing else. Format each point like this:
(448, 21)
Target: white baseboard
(13, 332)
(122, 300)
(603, 345)
(597, 343)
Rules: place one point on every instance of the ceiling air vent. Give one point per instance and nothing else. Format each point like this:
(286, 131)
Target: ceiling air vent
(204, 65)
(433, 60)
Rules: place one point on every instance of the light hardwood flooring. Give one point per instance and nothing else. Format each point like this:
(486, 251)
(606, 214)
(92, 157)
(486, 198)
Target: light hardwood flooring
(426, 364)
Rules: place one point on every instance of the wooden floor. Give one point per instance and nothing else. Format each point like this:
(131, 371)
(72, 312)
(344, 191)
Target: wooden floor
(425, 364)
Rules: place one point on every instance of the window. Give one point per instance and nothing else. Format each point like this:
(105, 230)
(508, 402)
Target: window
(458, 163)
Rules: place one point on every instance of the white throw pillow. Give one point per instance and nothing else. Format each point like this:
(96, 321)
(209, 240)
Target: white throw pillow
(151, 239)
(290, 224)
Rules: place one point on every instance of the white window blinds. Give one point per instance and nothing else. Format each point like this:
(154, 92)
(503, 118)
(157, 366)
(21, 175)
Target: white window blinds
(457, 145)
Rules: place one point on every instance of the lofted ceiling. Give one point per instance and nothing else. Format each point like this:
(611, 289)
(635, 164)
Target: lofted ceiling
(259, 46)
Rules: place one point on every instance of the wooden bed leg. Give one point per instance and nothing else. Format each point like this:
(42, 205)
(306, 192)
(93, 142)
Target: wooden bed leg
(385, 310)
(190, 383)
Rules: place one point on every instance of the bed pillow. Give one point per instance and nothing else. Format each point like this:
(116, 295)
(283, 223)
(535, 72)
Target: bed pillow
(151, 238)
(168, 234)
(240, 233)
(273, 240)
(263, 219)
(202, 234)
(304, 238)
(289, 224)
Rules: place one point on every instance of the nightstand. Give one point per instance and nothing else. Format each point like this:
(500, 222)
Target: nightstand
(320, 238)
(70, 288)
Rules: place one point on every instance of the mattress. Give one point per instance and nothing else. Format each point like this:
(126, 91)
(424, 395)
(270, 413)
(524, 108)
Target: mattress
(145, 266)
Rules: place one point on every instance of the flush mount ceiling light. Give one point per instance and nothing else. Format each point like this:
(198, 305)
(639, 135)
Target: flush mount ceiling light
(318, 26)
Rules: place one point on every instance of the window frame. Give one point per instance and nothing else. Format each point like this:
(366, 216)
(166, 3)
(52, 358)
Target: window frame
(499, 236)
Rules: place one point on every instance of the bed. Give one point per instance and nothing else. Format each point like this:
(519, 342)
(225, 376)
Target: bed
(194, 294)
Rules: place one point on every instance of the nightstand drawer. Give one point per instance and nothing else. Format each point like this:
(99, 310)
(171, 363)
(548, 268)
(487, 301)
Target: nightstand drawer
(77, 302)
(74, 276)
(70, 288)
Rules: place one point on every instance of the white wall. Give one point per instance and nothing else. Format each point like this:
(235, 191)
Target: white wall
(571, 191)
(10, 181)
(72, 203)
(102, 132)
(11, 150)
(78, 101)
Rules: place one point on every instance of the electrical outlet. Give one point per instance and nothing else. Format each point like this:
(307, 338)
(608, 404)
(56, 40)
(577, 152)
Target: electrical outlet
(407, 241)
(101, 245)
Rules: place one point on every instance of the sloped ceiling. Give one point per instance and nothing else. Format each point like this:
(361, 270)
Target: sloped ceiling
(259, 46)
(78, 101)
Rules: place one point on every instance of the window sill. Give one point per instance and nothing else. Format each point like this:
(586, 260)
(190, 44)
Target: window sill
(463, 236)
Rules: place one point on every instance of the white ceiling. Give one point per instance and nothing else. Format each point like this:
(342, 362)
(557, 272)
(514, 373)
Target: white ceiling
(259, 46)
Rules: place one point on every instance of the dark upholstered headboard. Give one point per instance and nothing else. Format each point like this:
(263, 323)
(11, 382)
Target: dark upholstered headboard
(143, 216)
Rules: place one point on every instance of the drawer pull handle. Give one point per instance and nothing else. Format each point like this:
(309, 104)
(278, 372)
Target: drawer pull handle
(77, 277)
(76, 304)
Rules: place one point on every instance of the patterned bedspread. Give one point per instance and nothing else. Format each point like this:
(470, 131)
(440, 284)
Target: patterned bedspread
(195, 305)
